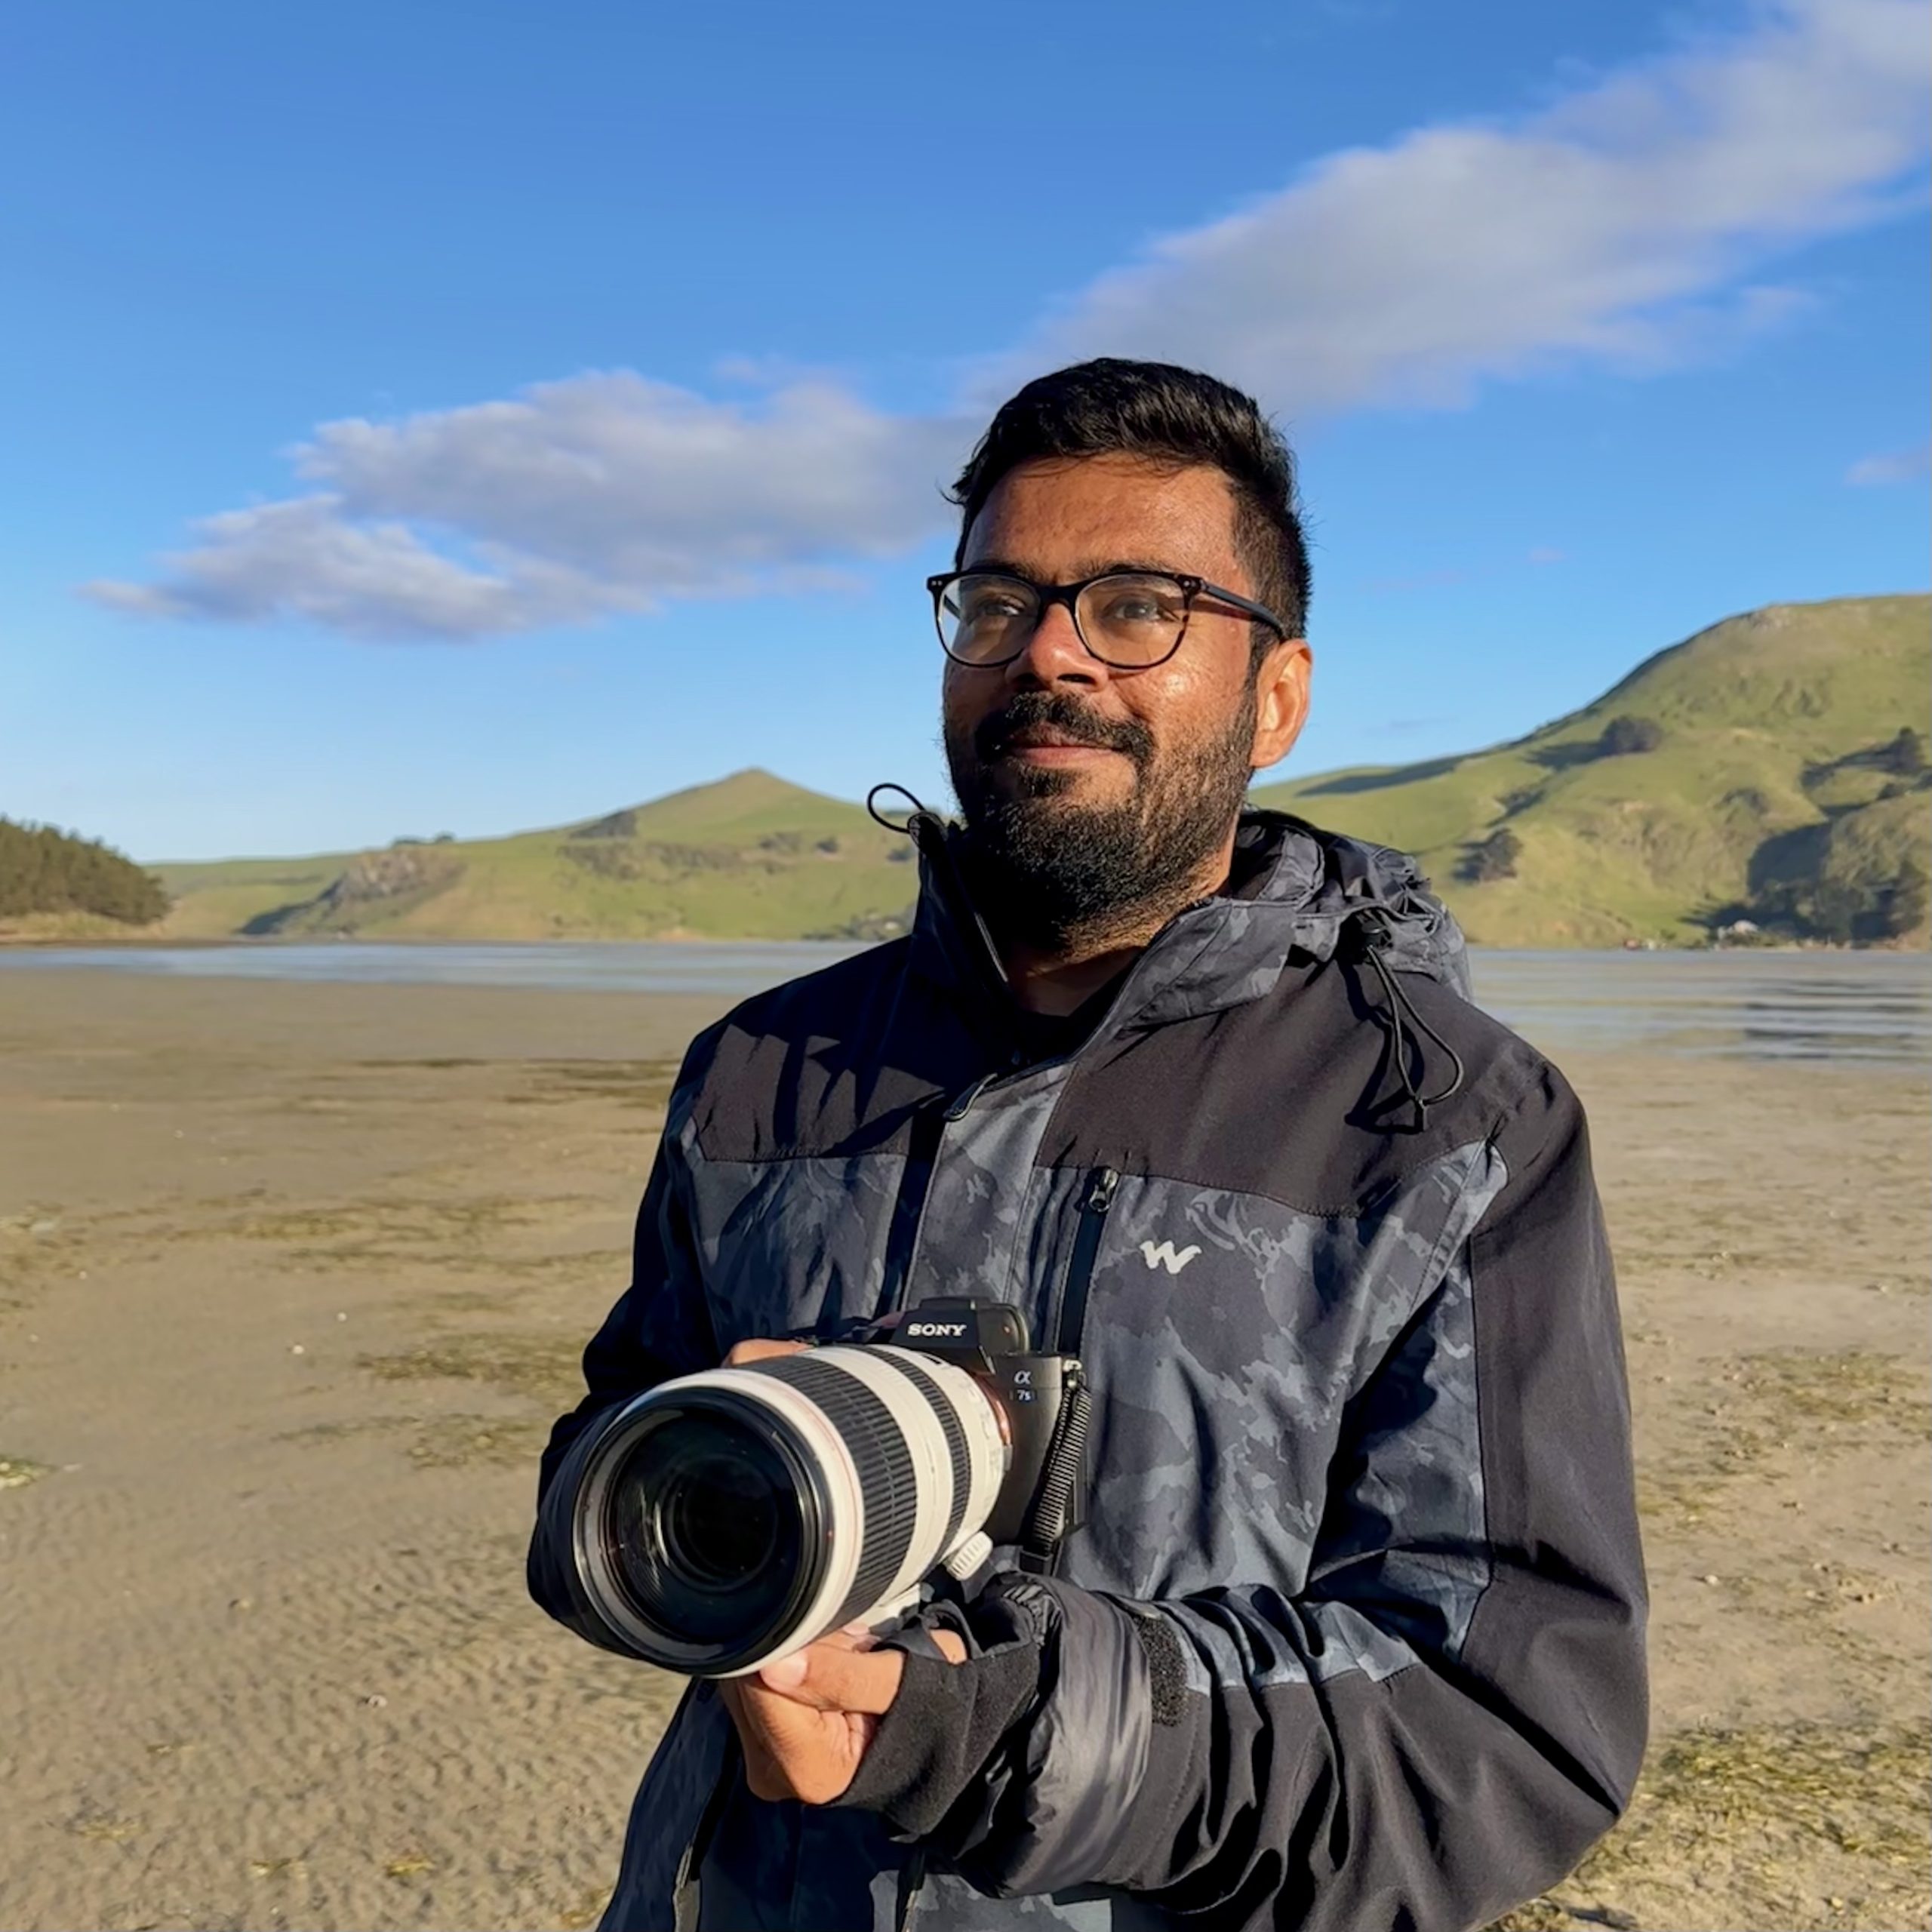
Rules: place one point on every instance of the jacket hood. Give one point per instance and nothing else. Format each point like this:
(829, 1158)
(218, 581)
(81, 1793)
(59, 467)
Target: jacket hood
(1327, 880)
(1295, 889)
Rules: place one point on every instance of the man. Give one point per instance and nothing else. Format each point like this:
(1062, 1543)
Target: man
(1352, 1639)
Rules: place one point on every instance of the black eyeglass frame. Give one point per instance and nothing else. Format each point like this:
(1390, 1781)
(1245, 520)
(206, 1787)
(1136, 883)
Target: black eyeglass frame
(1069, 594)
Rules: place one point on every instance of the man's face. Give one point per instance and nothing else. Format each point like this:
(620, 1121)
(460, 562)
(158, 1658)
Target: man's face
(1087, 791)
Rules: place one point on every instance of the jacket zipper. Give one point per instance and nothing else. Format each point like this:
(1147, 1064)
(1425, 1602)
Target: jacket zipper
(1094, 1203)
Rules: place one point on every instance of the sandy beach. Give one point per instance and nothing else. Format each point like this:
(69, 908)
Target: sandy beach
(293, 1277)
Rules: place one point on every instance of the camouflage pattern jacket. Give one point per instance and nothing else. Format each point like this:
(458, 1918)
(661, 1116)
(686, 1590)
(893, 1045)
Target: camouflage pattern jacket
(1352, 1638)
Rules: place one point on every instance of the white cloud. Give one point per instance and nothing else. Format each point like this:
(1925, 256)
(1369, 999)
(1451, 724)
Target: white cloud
(598, 493)
(1628, 226)
(305, 558)
(1613, 227)
(648, 484)
(1892, 466)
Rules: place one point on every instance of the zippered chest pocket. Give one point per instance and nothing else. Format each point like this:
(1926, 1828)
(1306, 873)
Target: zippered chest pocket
(1096, 1200)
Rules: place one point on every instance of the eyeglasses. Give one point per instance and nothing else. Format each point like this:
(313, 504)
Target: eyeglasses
(1130, 620)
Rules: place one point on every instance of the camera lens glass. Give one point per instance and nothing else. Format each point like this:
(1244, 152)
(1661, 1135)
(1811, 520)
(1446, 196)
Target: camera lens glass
(706, 1527)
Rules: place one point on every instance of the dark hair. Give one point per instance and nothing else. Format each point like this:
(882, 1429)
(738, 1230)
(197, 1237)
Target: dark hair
(1114, 407)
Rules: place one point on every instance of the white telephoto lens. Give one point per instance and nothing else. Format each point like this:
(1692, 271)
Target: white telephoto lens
(723, 1519)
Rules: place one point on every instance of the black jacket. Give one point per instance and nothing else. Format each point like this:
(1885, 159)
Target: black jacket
(1352, 1641)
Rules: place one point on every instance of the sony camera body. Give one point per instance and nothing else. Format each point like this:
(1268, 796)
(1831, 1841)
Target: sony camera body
(1042, 1404)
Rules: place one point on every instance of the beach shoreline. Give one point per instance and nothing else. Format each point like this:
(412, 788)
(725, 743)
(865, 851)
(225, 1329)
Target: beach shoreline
(293, 1276)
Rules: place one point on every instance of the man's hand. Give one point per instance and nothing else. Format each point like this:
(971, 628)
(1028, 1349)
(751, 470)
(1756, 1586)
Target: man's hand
(761, 1351)
(806, 1721)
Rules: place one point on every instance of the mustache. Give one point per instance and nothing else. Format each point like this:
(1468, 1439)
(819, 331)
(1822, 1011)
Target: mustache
(1059, 712)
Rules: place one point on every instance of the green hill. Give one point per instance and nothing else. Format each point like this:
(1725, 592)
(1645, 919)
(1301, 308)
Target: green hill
(748, 857)
(1757, 771)
(1778, 789)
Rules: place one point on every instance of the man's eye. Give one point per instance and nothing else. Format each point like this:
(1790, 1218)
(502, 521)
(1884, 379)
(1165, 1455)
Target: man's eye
(1139, 606)
(993, 607)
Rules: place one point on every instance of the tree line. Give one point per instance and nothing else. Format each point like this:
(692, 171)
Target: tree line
(42, 870)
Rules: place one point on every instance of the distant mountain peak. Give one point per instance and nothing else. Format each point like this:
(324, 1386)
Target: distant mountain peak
(740, 794)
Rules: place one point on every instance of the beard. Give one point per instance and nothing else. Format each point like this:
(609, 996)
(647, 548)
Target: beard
(1050, 871)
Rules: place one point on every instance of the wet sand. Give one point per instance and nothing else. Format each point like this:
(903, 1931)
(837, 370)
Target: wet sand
(292, 1278)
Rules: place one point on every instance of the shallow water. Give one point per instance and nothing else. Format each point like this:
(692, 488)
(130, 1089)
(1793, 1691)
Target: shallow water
(1843, 1006)
(631, 966)
(1785, 1006)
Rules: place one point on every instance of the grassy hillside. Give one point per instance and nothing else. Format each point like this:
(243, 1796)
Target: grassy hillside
(1767, 777)
(1754, 771)
(748, 857)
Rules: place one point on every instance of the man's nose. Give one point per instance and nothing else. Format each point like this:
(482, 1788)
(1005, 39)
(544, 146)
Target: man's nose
(1054, 655)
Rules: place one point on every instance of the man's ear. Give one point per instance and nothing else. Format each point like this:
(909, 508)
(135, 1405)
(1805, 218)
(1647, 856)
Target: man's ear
(1281, 700)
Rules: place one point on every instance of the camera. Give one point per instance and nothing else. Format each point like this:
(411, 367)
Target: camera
(722, 1520)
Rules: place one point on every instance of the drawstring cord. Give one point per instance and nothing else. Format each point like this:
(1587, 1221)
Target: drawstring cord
(878, 817)
(927, 830)
(1375, 940)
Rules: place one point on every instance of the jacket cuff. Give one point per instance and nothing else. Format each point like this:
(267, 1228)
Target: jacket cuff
(943, 1724)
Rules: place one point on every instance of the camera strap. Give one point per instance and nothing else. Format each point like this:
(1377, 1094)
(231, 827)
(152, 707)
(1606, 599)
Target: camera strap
(911, 1880)
(1056, 1511)
(686, 1886)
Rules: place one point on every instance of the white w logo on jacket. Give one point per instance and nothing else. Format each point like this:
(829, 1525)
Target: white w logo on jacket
(1164, 1257)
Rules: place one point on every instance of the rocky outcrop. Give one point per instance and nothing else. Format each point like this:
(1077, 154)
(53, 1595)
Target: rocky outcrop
(372, 884)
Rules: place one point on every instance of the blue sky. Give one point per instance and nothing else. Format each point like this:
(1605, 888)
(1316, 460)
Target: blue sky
(473, 417)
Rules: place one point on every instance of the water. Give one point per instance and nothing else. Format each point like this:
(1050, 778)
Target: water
(639, 966)
(1844, 1007)
(1873, 1007)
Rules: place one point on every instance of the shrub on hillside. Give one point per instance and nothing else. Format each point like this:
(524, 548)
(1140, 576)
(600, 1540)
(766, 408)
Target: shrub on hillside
(44, 871)
(1623, 736)
(1838, 909)
(1905, 754)
(1495, 858)
(1853, 911)
(613, 825)
(1909, 903)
